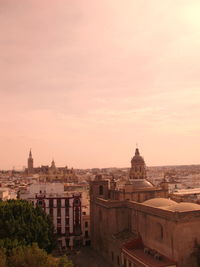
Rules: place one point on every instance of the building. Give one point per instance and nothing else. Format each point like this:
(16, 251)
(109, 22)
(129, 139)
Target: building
(7, 193)
(30, 169)
(139, 226)
(51, 173)
(186, 195)
(166, 234)
(137, 186)
(64, 208)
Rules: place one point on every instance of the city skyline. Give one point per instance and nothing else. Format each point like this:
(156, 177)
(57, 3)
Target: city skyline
(83, 82)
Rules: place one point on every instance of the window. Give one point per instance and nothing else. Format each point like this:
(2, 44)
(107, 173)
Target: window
(59, 203)
(86, 234)
(118, 260)
(67, 230)
(50, 203)
(86, 224)
(58, 212)
(129, 264)
(76, 201)
(67, 221)
(67, 212)
(67, 202)
(101, 190)
(51, 212)
(84, 213)
(58, 221)
(136, 169)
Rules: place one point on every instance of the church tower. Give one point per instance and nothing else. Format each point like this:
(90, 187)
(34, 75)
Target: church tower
(138, 167)
(30, 163)
(53, 165)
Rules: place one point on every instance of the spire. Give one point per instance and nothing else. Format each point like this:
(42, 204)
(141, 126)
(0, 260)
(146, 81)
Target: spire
(53, 165)
(137, 153)
(30, 154)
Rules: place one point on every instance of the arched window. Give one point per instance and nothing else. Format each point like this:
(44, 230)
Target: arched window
(101, 190)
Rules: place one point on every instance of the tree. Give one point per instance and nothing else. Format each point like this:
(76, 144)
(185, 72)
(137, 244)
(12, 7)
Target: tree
(30, 256)
(21, 224)
(33, 256)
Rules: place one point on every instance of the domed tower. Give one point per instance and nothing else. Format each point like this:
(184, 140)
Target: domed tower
(30, 163)
(138, 167)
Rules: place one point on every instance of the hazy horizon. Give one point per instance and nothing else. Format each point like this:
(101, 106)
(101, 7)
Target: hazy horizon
(84, 81)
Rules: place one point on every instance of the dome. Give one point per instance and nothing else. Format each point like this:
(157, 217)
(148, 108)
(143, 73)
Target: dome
(183, 206)
(171, 205)
(159, 202)
(137, 158)
(141, 183)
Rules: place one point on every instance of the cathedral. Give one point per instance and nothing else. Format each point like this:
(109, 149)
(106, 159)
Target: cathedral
(50, 173)
(138, 225)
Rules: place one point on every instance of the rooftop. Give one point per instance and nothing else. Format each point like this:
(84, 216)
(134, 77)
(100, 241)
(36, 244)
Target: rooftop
(149, 257)
(168, 204)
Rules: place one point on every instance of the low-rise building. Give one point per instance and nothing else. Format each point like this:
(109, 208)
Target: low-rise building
(64, 208)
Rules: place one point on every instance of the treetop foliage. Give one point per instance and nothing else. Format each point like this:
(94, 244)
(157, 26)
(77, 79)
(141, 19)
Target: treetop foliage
(22, 224)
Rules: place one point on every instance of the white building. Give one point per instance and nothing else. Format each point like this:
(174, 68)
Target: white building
(64, 208)
(6, 194)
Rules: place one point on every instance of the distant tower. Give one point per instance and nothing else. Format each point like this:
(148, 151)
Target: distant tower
(30, 163)
(53, 165)
(138, 167)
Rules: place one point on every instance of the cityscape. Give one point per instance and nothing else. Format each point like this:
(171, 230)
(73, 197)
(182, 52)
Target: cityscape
(99, 135)
(127, 216)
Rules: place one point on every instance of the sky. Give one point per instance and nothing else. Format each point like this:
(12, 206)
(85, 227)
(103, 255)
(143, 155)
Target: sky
(83, 81)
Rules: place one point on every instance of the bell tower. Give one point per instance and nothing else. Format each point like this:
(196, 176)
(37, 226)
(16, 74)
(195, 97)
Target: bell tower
(98, 188)
(30, 163)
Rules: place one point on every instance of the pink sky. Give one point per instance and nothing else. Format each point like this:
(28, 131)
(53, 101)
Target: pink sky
(84, 81)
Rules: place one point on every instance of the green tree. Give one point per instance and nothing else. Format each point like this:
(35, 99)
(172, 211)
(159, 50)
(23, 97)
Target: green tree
(21, 224)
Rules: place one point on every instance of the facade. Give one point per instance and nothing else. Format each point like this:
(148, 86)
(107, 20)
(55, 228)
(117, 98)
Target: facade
(139, 226)
(65, 209)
